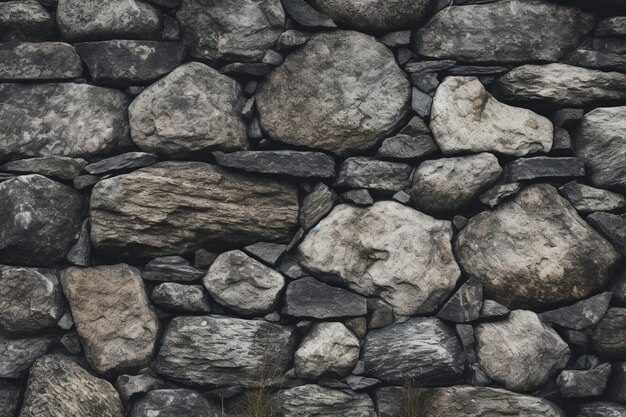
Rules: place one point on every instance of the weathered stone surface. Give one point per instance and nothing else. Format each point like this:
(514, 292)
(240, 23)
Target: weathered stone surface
(25, 20)
(600, 141)
(316, 205)
(499, 192)
(617, 384)
(63, 119)
(39, 220)
(387, 250)
(466, 118)
(307, 297)
(224, 351)
(315, 400)
(404, 147)
(613, 227)
(560, 84)
(362, 172)
(465, 304)
(292, 163)
(587, 199)
(174, 403)
(520, 352)
(53, 166)
(612, 26)
(581, 315)
(30, 299)
(192, 109)
(328, 350)
(358, 197)
(9, 398)
(342, 92)
(125, 161)
(538, 241)
(291, 39)
(116, 325)
(267, 252)
(450, 184)
(127, 62)
(114, 19)
(233, 30)
(544, 167)
(584, 383)
(493, 310)
(18, 354)
(601, 409)
(587, 56)
(609, 336)
(39, 61)
(130, 386)
(181, 297)
(179, 207)
(425, 349)
(171, 268)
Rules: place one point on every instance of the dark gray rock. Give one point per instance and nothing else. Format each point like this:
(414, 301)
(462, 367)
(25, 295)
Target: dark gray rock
(361, 383)
(173, 403)
(578, 341)
(268, 252)
(587, 199)
(85, 181)
(247, 69)
(586, 56)
(493, 310)
(608, 338)
(425, 81)
(358, 197)
(80, 253)
(567, 118)
(562, 140)
(171, 268)
(396, 39)
(382, 176)
(315, 400)
(465, 332)
(316, 205)
(544, 167)
(582, 384)
(71, 342)
(601, 409)
(305, 15)
(612, 226)
(130, 386)
(10, 393)
(618, 286)
(389, 401)
(52, 166)
(477, 70)
(291, 38)
(465, 304)
(611, 26)
(18, 354)
(499, 193)
(617, 383)
(291, 163)
(181, 297)
(126, 161)
(273, 58)
(581, 315)
(429, 66)
(39, 61)
(421, 102)
(25, 21)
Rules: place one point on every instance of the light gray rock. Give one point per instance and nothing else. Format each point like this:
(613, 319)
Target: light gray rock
(193, 109)
(180, 207)
(307, 297)
(534, 31)
(291, 163)
(18, 354)
(588, 199)
(174, 403)
(584, 383)
(538, 241)
(609, 336)
(316, 205)
(581, 315)
(382, 176)
(601, 409)
(113, 317)
(39, 61)
(342, 92)
(292, 38)
(181, 297)
(387, 250)
(315, 400)
(520, 352)
(52, 166)
(171, 268)
(243, 284)
(224, 351)
(493, 310)
(466, 118)
(25, 21)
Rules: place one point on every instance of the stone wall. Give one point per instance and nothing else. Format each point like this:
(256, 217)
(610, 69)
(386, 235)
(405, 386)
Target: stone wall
(355, 208)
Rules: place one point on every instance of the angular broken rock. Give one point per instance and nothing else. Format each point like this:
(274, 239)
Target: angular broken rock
(171, 268)
(362, 172)
(584, 383)
(18, 354)
(193, 109)
(543, 167)
(181, 297)
(581, 315)
(292, 163)
(537, 241)
(315, 400)
(465, 304)
(113, 317)
(25, 20)
(316, 205)
(534, 31)
(499, 192)
(180, 207)
(39, 61)
(520, 352)
(10, 395)
(587, 199)
(224, 351)
(243, 284)
(52, 166)
(267, 252)
(174, 403)
(612, 226)
(386, 250)
(404, 148)
(125, 161)
(609, 336)
(601, 409)
(424, 349)
(466, 118)
(342, 92)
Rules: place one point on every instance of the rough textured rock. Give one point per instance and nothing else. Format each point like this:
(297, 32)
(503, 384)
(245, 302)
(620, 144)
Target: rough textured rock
(52, 166)
(362, 172)
(39, 220)
(451, 184)
(116, 325)
(613, 227)
(492, 309)
(243, 284)
(544, 167)
(386, 250)
(130, 386)
(39, 61)
(584, 383)
(612, 26)
(18, 354)
(25, 21)
(174, 403)
(538, 241)
(499, 192)
(233, 30)
(520, 352)
(589, 199)
(192, 109)
(180, 207)
(404, 147)
(304, 14)
(60, 119)
(316, 205)
(342, 92)
(10, 393)
(223, 351)
(126, 161)
(314, 400)
(425, 349)
(171, 268)
(292, 163)
(508, 31)
(307, 297)
(601, 409)
(609, 336)
(181, 297)
(267, 252)
(465, 304)
(581, 315)
(58, 387)
(466, 118)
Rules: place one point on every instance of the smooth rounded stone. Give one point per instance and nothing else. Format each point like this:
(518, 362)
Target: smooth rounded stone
(307, 297)
(130, 386)
(342, 92)
(609, 336)
(10, 394)
(520, 352)
(601, 409)
(59, 387)
(534, 31)
(465, 305)
(316, 205)
(580, 315)
(387, 250)
(305, 15)
(543, 167)
(328, 350)
(315, 400)
(584, 383)
(450, 184)
(63, 119)
(180, 207)
(181, 297)
(600, 141)
(113, 317)
(40, 220)
(396, 38)
(173, 403)
(291, 38)
(233, 30)
(291, 163)
(217, 350)
(424, 349)
(114, 19)
(612, 226)
(560, 84)
(171, 268)
(612, 26)
(499, 192)
(267, 252)
(539, 242)
(127, 62)
(126, 161)
(466, 118)
(377, 16)
(30, 299)
(243, 284)
(588, 199)
(39, 61)
(25, 21)
(18, 354)
(407, 148)
(193, 109)
(382, 176)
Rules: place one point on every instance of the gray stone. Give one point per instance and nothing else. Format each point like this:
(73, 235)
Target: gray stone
(10, 393)
(581, 315)
(174, 403)
(601, 409)
(247, 69)
(39, 61)
(171, 268)
(538, 241)
(544, 167)
(361, 383)
(587, 57)
(292, 38)
(499, 193)
(567, 118)
(587, 199)
(465, 304)
(389, 401)
(181, 297)
(429, 66)
(493, 310)
(402, 197)
(268, 252)
(130, 386)
(478, 70)
(25, 21)
(534, 31)
(224, 351)
(617, 383)
(421, 103)
(66, 322)
(316, 205)
(425, 81)
(562, 140)
(358, 197)
(327, 96)
(307, 297)
(397, 38)
(315, 400)
(612, 26)
(465, 332)
(587, 383)
(520, 352)
(71, 342)
(180, 207)
(273, 58)
(18, 354)
(53, 166)
(609, 336)
(291, 163)
(126, 161)
(618, 286)
(382, 176)
(387, 250)
(305, 15)
(193, 109)
(85, 181)
(612, 226)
